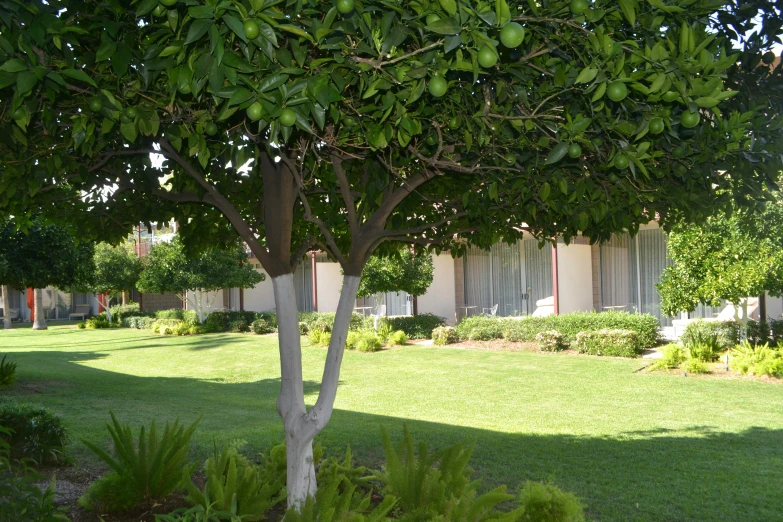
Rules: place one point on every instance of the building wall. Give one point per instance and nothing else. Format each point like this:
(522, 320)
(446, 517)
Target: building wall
(575, 278)
(330, 281)
(774, 307)
(155, 302)
(260, 298)
(440, 296)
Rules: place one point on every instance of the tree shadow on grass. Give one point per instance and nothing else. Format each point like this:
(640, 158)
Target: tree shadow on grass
(695, 473)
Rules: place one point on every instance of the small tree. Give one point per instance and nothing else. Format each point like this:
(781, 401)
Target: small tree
(400, 271)
(727, 257)
(169, 268)
(45, 255)
(114, 269)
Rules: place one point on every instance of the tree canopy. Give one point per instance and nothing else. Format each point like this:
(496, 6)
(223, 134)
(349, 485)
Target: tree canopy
(400, 271)
(168, 268)
(728, 257)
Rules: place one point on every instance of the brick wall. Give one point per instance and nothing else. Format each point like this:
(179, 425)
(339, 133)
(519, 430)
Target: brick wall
(155, 302)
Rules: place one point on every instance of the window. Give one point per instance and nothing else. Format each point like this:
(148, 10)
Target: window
(303, 285)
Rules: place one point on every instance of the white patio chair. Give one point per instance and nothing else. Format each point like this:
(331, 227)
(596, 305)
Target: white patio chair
(380, 311)
(490, 311)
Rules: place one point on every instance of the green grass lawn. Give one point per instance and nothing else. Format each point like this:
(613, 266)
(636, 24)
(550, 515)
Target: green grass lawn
(633, 446)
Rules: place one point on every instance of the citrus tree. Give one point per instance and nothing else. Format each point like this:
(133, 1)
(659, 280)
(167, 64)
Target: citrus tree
(347, 126)
(727, 257)
(195, 278)
(401, 270)
(43, 255)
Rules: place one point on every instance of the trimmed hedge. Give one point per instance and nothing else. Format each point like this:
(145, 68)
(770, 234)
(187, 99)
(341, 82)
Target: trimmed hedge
(619, 343)
(139, 322)
(443, 335)
(525, 329)
(416, 326)
(550, 341)
(728, 332)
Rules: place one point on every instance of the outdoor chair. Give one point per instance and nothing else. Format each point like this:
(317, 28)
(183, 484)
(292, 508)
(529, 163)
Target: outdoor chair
(13, 314)
(379, 312)
(490, 311)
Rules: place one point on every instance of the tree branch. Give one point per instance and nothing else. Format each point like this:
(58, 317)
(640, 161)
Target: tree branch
(345, 190)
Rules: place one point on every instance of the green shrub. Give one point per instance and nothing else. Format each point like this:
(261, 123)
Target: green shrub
(97, 322)
(139, 322)
(260, 327)
(673, 355)
(758, 359)
(776, 332)
(119, 312)
(327, 319)
(728, 332)
(342, 471)
(542, 502)
(443, 335)
(238, 326)
(318, 337)
(151, 469)
(480, 328)
(759, 332)
(222, 320)
(170, 327)
(703, 346)
(550, 341)
(81, 325)
(233, 482)
(198, 514)
(619, 343)
(351, 339)
(368, 342)
(196, 329)
(21, 497)
(524, 329)
(303, 328)
(695, 366)
(335, 503)
(111, 493)
(417, 326)
(324, 339)
(383, 332)
(397, 338)
(36, 433)
(7, 373)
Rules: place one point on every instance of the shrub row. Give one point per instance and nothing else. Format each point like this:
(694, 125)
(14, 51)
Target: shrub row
(416, 326)
(617, 343)
(525, 329)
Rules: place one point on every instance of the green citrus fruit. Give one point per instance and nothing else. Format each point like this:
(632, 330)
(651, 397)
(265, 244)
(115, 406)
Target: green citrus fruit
(254, 111)
(431, 139)
(656, 126)
(574, 150)
(438, 86)
(168, 3)
(211, 128)
(512, 34)
(251, 29)
(487, 57)
(345, 6)
(511, 159)
(621, 162)
(288, 117)
(578, 7)
(455, 122)
(401, 73)
(613, 178)
(690, 119)
(96, 104)
(679, 152)
(670, 96)
(768, 57)
(432, 18)
(19, 113)
(159, 10)
(349, 122)
(131, 112)
(680, 169)
(617, 91)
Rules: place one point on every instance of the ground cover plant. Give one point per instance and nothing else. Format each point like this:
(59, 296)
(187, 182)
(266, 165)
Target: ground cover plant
(560, 427)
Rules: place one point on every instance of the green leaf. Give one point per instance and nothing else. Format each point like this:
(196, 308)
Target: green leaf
(450, 6)
(445, 26)
(587, 74)
(298, 31)
(502, 12)
(706, 102)
(197, 29)
(493, 191)
(628, 7)
(129, 131)
(105, 51)
(145, 6)
(544, 192)
(273, 81)
(581, 125)
(78, 75)
(557, 153)
(200, 11)
(235, 25)
(25, 81)
(13, 66)
(599, 92)
(240, 96)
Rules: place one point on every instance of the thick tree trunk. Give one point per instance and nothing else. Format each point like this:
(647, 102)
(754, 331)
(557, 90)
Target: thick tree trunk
(39, 323)
(6, 307)
(302, 426)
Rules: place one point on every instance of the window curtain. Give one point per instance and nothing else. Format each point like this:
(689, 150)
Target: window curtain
(619, 284)
(478, 280)
(303, 285)
(653, 259)
(507, 289)
(538, 272)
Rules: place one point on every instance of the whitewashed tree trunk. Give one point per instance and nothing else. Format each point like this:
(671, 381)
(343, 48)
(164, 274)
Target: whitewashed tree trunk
(302, 426)
(39, 323)
(106, 307)
(6, 307)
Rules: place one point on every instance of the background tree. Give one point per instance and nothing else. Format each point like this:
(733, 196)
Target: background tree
(196, 278)
(114, 269)
(728, 257)
(45, 255)
(438, 124)
(402, 270)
